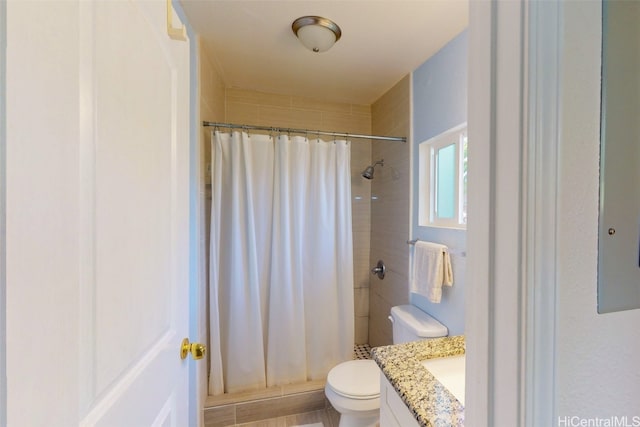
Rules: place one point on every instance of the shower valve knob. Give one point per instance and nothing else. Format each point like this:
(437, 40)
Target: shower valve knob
(197, 350)
(379, 270)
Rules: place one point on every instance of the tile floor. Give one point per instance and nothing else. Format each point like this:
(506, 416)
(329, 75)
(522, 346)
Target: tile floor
(362, 351)
(328, 417)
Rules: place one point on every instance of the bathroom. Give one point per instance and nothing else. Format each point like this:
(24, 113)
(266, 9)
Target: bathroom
(381, 206)
(531, 299)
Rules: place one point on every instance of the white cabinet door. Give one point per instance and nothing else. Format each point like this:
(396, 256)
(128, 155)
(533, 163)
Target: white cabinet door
(97, 215)
(393, 411)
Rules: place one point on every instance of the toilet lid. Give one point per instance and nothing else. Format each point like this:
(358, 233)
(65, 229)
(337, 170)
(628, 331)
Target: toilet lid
(356, 379)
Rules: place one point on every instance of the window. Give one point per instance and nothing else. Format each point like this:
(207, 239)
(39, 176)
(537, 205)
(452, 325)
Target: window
(442, 200)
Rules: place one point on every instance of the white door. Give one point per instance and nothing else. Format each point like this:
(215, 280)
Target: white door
(97, 215)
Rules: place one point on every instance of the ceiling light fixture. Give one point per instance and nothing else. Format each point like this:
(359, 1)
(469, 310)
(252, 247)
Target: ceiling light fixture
(316, 33)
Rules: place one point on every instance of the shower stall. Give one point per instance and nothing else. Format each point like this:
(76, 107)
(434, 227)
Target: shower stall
(281, 257)
(358, 121)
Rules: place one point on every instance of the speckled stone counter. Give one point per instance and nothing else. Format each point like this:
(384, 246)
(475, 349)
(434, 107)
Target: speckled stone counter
(429, 401)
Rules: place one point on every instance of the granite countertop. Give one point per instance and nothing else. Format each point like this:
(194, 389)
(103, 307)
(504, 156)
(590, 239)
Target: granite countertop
(429, 401)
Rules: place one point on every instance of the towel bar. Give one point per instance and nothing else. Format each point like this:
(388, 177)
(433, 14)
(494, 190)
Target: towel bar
(451, 252)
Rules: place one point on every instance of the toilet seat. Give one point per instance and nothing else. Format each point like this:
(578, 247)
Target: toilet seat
(355, 379)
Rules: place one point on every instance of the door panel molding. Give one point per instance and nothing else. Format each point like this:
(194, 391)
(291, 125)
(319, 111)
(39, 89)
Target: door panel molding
(114, 393)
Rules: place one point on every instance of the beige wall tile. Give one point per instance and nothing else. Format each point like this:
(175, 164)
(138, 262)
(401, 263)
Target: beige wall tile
(362, 278)
(257, 410)
(303, 387)
(390, 211)
(242, 114)
(273, 422)
(360, 158)
(362, 329)
(319, 105)
(244, 396)
(290, 118)
(360, 187)
(272, 408)
(212, 90)
(395, 252)
(361, 259)
(379, 326)
(346, 123)
(243, 96)
(361, 109)
(392, 290)
(361, 298)
(361, 214)
(221, 416)
(384, 125)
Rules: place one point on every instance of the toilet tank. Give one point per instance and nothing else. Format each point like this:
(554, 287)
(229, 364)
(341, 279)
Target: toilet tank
(412, 324)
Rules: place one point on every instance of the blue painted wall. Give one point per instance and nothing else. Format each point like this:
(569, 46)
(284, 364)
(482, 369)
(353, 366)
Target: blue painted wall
(439, 104)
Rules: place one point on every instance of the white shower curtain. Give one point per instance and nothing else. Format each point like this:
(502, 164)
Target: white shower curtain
(281, 260)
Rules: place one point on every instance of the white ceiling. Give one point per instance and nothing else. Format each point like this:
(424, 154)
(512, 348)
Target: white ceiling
(381, 42)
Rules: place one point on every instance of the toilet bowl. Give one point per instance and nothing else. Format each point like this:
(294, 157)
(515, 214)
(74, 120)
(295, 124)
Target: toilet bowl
(353, 387)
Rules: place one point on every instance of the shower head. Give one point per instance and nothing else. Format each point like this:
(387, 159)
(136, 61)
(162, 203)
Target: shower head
(368, 172)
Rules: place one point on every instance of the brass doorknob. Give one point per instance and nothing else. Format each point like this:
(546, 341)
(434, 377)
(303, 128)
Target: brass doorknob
(196, 349)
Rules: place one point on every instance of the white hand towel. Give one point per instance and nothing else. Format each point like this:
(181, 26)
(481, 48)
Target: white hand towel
(431, 270)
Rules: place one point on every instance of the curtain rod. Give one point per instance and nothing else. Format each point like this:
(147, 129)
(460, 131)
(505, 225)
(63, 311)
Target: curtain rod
(305, 131)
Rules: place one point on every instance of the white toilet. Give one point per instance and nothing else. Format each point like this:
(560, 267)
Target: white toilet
(353, 387)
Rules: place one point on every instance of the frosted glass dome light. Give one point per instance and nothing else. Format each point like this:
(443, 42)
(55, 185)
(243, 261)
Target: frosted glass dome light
(316, 33)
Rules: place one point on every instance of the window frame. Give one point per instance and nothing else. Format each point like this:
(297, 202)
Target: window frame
(427, 191)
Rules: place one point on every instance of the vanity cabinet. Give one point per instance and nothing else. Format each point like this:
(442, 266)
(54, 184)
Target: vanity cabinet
(393, 411)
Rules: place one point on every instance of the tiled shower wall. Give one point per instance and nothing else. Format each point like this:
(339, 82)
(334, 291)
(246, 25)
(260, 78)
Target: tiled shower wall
(390, 208)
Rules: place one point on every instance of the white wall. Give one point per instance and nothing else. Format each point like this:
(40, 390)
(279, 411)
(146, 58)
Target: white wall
(597, 368)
